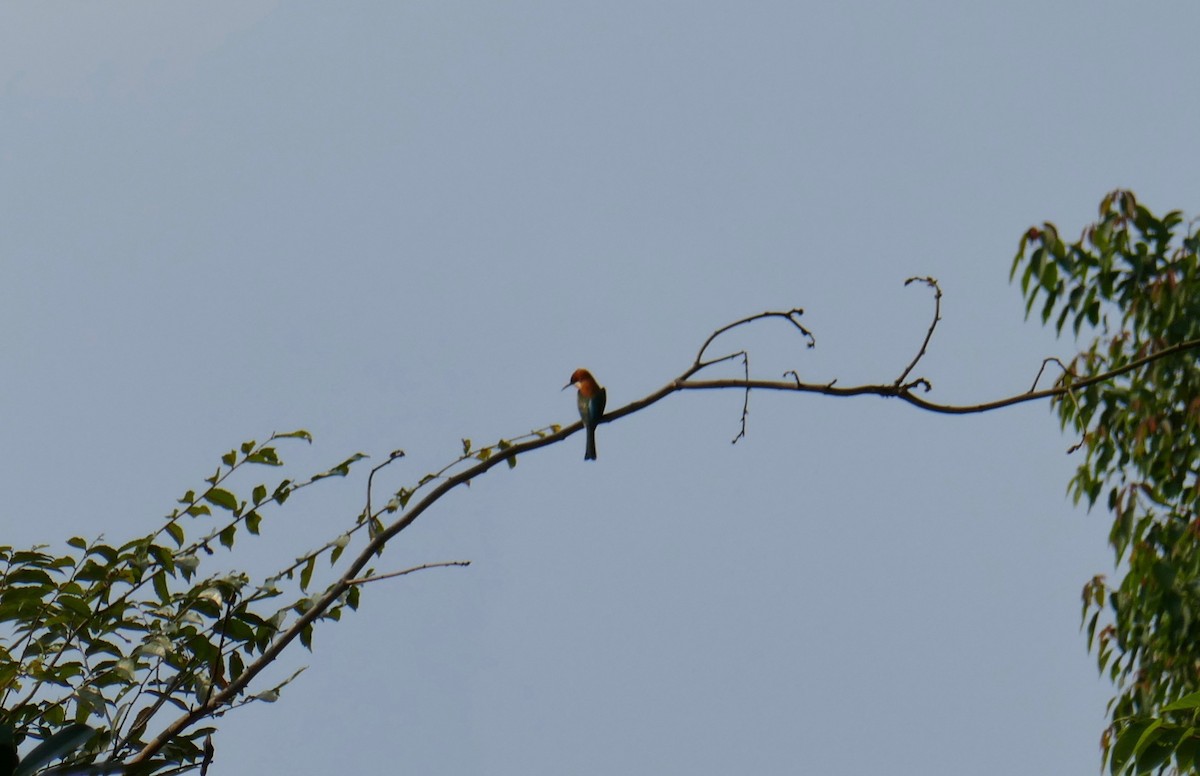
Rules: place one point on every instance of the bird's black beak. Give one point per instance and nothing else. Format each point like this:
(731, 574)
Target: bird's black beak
(568, 385)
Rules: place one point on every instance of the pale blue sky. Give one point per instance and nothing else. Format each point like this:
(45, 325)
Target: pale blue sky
(402, 223)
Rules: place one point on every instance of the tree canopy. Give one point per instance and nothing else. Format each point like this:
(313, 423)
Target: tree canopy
(1128, 290)
(119, 657)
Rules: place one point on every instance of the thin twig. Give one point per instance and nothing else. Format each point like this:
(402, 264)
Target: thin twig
(1046, 362)
(937, 316)
(792, 316)
(903, 393)
(1069, 393)
(392, 458)
(745, 397)
(422, 567)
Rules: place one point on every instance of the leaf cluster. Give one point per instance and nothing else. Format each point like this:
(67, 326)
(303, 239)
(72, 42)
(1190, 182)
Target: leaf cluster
(1129, 287)
(119, 658)
(111, 644)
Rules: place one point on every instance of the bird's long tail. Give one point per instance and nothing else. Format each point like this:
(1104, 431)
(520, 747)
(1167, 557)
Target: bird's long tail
(590, 453)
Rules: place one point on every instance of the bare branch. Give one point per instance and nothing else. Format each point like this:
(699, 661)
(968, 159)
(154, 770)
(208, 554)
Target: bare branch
(902, 392)
(422, 567)
(1070, 394)
(792, 316)
(745, 397)
(1046, 362)
(446, 481)
(392, 458)
(937, 316)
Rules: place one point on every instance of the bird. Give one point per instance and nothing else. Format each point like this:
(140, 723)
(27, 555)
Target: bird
(591, 400)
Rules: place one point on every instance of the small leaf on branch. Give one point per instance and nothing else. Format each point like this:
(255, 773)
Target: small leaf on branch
(56, 747)
(175, 531)
(297, 434)
(1190, 701)
(342, 469)
(266, 456)
(159, 581)
(222, 498)
(339, 546)
(307, 572)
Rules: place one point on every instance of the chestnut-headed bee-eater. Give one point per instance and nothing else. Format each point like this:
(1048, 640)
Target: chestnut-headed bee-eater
(591, 400)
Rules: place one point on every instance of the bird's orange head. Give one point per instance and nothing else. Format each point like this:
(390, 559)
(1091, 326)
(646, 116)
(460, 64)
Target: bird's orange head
(583, 379)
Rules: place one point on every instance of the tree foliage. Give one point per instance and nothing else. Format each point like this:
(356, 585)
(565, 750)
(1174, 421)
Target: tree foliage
(118, 658)
(132, 634)
(1128, 289)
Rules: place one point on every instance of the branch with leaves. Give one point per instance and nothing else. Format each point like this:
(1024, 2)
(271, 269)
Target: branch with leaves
(133, 636)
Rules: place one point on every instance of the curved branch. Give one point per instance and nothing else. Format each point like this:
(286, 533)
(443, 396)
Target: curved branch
(905, 394)
(792, 316)
(1045, 363)
(937, 316)
(350, 576)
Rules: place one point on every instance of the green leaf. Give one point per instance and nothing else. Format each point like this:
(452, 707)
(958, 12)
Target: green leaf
(159, 580)
(260, 493)
(307, 572)
(1122, 750)
(187, 564)
(175, 530)
(339, 546)
(163, 557)
(55, 747)
(1155, 753)
(342, 469)
(227, 535)
(1187, 750)
(1091, 629)
(222, 498)
(297, 434)
(8, 750)
(1147, 737)
(266, 456)
(28, 576)
(1189, 701)
(229, 458)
